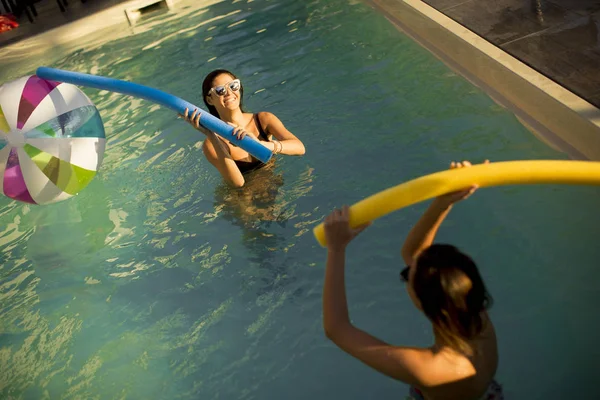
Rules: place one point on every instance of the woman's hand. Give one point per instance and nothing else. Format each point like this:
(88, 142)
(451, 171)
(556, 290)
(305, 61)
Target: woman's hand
(269, 145)
(194, 120)
(337, 229)
(449, 199)
(241, 132)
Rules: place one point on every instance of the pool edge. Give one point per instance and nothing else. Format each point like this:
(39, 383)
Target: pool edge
(68, 33)
(555, 115)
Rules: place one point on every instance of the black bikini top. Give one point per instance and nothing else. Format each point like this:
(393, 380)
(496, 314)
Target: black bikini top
(247, 166)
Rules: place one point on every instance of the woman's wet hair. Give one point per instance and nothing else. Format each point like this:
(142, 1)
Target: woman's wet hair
(452, 294)
(208, 84)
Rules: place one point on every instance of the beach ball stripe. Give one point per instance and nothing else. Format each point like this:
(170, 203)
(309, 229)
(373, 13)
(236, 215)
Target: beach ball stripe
(70, 178)
(14, 185)
(34, 92)
(59, 104)
(52, 140)
(81, 122)
(3, 125)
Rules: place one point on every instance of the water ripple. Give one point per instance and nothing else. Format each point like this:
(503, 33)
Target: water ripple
(160, 281)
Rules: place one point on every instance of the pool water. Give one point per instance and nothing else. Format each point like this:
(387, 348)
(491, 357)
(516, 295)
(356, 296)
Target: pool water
(159, 282)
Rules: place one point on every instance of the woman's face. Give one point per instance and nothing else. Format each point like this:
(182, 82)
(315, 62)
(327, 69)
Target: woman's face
(225, 93)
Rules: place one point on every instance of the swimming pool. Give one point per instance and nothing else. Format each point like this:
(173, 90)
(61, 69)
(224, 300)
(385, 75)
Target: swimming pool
(159, 282)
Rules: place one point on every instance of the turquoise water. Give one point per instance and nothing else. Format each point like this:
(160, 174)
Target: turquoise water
(159, 282)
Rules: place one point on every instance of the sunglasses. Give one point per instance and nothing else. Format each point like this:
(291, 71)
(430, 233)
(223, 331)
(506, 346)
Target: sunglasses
(404, 274)
(221, 90)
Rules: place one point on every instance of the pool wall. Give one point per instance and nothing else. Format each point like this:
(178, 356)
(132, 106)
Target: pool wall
(554, 114)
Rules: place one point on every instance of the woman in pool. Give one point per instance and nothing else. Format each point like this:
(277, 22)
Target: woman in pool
(445, 285)
(223, 93)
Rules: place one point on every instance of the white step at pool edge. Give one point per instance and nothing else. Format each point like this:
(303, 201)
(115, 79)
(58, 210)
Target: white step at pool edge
(133, 10)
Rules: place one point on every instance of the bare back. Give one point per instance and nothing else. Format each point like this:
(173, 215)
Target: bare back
(451, 375)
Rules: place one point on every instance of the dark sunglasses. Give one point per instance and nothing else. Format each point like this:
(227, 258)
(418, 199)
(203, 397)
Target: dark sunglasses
(404, 274)
(221, 90)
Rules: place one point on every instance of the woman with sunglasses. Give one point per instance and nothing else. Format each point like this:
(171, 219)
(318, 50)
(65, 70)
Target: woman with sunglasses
(223, 93)
(445, 285)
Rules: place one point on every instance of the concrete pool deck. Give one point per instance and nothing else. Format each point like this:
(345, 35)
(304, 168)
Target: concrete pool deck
(50, 17)
(557, 115)
(83, 25)
(559, 38)
(539, 58)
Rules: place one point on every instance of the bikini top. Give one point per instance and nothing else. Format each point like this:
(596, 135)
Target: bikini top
(247, 166)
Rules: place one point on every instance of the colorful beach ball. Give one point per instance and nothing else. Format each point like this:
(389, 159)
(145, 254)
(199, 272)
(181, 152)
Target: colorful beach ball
(51, 140)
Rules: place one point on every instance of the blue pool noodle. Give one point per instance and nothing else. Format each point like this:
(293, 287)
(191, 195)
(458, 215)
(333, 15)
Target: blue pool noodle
(207, 120)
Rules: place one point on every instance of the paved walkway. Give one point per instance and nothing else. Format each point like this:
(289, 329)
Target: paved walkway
(558, 38)
(50, 17)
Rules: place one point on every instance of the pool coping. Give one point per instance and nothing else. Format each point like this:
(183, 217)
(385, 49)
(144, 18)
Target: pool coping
(554, 114)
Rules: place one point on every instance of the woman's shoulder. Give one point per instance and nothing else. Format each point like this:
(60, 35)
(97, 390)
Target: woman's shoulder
(266, 119)
(265, 116)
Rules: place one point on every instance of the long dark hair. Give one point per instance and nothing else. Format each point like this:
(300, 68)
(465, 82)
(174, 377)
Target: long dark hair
(452, 294)
(208, 83)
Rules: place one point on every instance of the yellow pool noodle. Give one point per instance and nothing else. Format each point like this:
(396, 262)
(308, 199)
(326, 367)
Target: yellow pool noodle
(484, 175)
